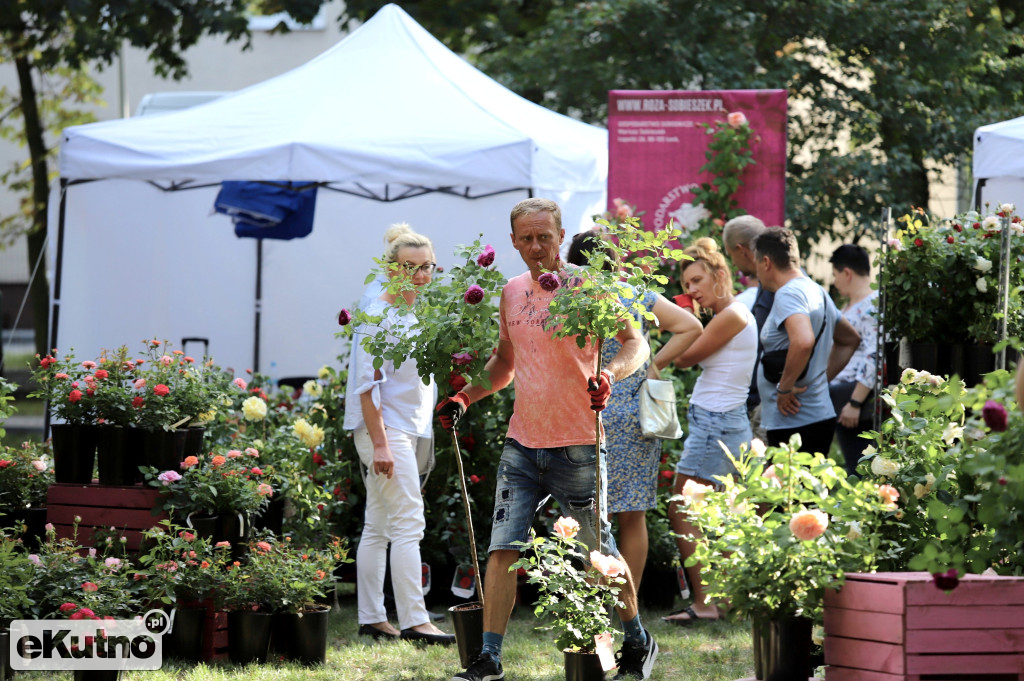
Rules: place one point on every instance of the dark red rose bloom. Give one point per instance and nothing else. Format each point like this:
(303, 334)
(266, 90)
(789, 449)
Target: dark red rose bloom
(474, 294)
(994, 415)
(457, 382)
(344, 317)
(918, 242)
(487, 257)
(950, 239)
(548, 281)
(947, 581)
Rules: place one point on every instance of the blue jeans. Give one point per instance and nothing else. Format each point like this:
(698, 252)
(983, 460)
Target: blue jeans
(703, 456)
(527, 477)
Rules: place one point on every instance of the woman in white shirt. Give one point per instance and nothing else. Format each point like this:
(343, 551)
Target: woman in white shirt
(717, 415)
(390, 412)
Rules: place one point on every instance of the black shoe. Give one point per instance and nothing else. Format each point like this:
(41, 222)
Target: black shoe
(483, 668)
(432, 639)
(370, 630)
(636, 661)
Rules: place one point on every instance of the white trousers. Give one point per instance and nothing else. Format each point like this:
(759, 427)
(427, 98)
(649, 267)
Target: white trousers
(394, 514)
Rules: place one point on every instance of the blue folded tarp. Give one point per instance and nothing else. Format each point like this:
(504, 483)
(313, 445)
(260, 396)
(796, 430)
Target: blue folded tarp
(261, 210)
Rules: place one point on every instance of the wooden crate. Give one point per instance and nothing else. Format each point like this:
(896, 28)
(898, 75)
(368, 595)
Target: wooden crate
(129, 509)
(215, 635)
(897, 626)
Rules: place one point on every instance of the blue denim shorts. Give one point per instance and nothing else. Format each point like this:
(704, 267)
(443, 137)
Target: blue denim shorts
(702, 455)
(527, 477)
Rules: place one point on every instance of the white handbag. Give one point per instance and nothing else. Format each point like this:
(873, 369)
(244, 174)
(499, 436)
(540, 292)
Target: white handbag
(658, 417)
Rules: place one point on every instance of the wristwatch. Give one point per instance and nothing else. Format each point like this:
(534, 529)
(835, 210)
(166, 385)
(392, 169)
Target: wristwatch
(610, 375)
(856, 403)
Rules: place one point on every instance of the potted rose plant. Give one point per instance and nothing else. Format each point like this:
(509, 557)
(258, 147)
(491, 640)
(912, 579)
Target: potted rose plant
(787, 527)
(577, 591)
(69, 391)
(252, 592)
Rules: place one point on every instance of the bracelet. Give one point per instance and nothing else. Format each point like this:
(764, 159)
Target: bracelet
(780, 391)
(856, 403)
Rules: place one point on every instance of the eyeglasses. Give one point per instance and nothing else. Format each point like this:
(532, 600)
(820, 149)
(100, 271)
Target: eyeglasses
(412, 268)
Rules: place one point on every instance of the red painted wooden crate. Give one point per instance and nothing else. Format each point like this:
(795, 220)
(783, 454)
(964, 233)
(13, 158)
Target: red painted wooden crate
(129, 509)
(897, 626)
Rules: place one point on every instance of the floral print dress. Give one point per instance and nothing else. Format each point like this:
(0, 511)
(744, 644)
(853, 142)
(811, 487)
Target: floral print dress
(632, 459)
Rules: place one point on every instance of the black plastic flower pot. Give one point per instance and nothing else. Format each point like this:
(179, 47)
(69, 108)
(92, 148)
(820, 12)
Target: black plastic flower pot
(164, 449)
(468, 621)
(116, 464)
(204, 525)
(34, 520)
(761, 631)
(580, 666)
(234, 528)
(248, 636)
(97, 674)
(302, 637)
(74, 453)
(789, 649)
(186, 638)
(194, 440)
(272, 517)
(5, 651)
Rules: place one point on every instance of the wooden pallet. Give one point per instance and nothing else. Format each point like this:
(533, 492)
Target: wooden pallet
(128, 509)
(900, 627)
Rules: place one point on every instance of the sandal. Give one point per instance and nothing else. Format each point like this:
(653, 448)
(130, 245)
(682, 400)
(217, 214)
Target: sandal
(693, 617)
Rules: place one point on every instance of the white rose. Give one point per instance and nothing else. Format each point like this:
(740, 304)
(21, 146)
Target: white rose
(991, 223)
(922, 377)
(1016, 228)
(971, 216)
(908, 376)
(757, 447)
(982, 284)
(982, 264)
(870, 449)
(1006, 208)
(884, 467)
(951, 433)
(896, 244)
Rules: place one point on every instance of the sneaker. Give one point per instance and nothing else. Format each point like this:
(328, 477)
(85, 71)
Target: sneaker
(483, 668)
(636, 661)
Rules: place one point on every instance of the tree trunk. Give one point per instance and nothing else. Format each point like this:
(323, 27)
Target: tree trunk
(39, 296)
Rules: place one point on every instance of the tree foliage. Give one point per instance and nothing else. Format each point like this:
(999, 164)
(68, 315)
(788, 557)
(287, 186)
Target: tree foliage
(878, 92)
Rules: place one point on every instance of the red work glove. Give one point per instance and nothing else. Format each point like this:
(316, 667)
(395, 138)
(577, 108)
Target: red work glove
(684, 300)
(451, 409)
(600, 389)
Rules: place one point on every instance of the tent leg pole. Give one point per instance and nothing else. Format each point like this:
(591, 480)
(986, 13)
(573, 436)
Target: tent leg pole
(259, 305)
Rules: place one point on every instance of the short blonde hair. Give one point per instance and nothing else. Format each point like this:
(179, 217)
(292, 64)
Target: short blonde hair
(705, 250)
(400, 235)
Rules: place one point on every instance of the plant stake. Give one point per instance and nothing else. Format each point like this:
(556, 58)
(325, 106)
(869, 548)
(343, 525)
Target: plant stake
(469, 517)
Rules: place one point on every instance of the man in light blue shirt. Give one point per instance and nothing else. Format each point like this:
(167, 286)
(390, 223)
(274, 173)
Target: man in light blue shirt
(805, 323)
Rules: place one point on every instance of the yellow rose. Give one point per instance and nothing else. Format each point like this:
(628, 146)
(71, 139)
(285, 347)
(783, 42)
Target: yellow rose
(884, 467)
(254, 409)
(324, 372)
(311, 435)
(312, 388)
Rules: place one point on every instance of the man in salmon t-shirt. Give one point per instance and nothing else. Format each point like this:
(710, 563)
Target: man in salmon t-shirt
(549, 448)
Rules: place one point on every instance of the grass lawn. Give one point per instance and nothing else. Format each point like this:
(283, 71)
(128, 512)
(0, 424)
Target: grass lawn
(712, 651)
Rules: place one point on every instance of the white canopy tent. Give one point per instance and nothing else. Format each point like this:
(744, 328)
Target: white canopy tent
(999, 163)
(389, 123)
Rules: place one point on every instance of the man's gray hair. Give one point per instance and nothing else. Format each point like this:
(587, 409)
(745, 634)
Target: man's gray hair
(536, 205)
(742, 231)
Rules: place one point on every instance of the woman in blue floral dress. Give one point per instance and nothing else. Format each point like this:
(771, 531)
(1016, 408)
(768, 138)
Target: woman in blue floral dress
(633, 460)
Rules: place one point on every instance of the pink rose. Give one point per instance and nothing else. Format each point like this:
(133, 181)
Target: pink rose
(889, 495)
(167, 477)
(808, 525)
(61, 375)
(67, 607)
(88, 364)
(265, 490)
(39, 465)
(161, 390)
(139, 384)
(566, 527)
(486, 258)
(256, 470)
(240, 383)
(474, 294)
(101, 374)
(622, 209)
(252, 451)
(736, 119)
(461, 358)
(89, 586)
(234, 454)
(166, 360)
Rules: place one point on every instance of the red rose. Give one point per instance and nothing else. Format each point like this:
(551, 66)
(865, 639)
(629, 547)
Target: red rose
(457, 382)
(946, 581)
(950, 239)
(994, 415)
(666, 474)
(318, 460)
(918, 242)
(344, 317)
(474, 479)
(161, 390)
(45, 362)
(958, 227)
(976, 225)
(101, 373)
(137, 401)
(75, 396)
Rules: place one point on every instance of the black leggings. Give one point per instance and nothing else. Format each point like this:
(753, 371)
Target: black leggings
(815, 437)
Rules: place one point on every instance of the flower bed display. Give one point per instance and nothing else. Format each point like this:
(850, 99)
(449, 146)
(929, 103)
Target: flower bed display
(899, 626)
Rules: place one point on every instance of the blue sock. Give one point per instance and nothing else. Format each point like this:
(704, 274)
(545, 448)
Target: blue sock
(492, 644)
(633, 631)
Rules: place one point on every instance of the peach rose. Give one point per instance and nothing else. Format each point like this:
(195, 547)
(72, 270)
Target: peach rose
(566, 527)
(218, 461)
(808, 525)
(736, 119)
(609, 566)
(694, 491)
(889, 495)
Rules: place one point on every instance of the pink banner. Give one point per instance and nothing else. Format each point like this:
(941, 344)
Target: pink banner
(656, 146)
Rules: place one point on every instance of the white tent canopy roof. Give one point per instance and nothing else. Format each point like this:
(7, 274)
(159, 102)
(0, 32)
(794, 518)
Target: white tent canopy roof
(999, 150)
(388, 104)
